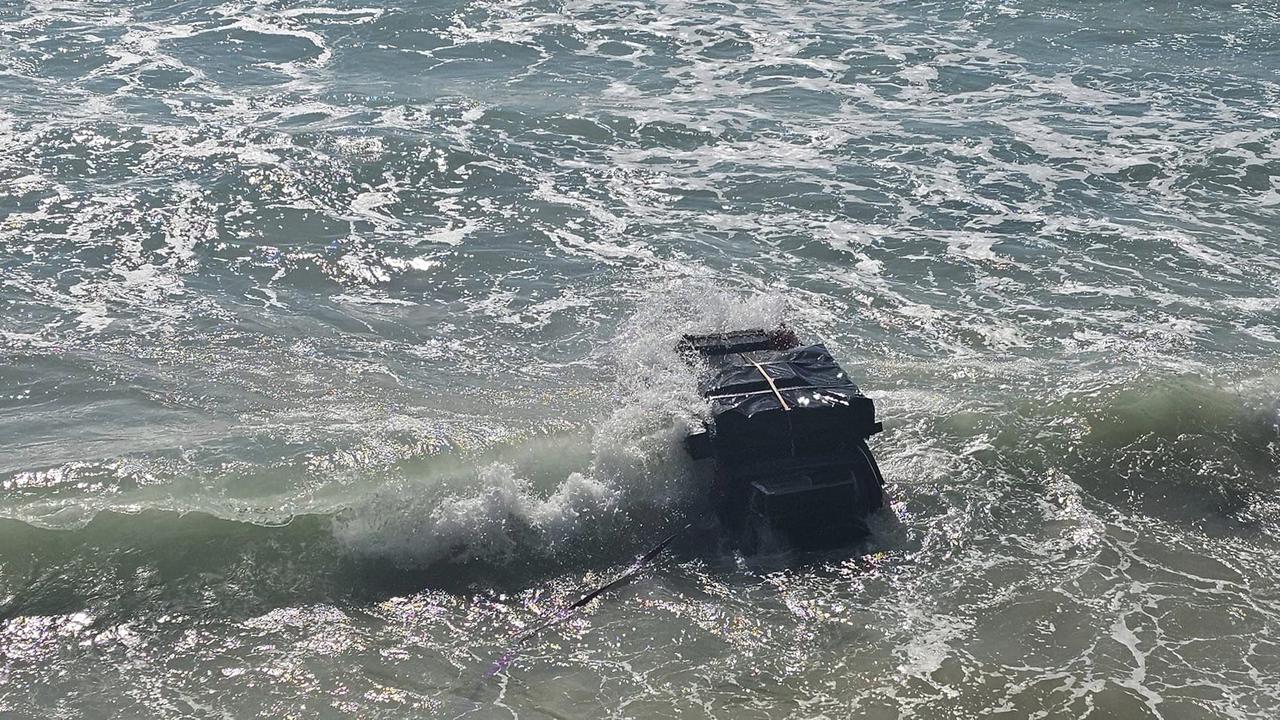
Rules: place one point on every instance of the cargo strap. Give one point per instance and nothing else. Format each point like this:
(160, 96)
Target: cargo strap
(791, 427)
(769, 380)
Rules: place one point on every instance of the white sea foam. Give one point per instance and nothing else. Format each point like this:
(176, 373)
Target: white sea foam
(636, 466)
(268, 259)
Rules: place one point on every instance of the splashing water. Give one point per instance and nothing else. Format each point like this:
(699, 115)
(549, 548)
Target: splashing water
(336, 347)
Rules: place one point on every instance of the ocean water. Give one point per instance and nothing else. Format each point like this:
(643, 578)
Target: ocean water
(335, 349)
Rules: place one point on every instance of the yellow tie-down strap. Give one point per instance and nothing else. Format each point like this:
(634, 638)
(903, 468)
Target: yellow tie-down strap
(769, 380)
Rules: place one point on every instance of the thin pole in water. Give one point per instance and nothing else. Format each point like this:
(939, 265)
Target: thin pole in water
(565, 612)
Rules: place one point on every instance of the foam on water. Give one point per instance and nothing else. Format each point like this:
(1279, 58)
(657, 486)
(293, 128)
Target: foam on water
(633, 480)
(337, 346)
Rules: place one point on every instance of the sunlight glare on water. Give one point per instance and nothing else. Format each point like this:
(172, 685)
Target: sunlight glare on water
(336, 348)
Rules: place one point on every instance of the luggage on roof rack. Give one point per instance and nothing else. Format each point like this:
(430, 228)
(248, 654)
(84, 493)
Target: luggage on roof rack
(787, 431)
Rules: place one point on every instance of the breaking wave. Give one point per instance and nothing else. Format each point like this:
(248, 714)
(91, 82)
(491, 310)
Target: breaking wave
(618, 485)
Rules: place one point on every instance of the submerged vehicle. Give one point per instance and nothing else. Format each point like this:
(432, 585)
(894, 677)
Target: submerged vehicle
(788, 435)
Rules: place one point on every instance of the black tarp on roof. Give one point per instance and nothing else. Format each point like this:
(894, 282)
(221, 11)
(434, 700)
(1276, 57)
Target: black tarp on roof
(815, 409)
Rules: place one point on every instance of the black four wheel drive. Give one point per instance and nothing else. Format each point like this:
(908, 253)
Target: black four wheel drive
(788, 435)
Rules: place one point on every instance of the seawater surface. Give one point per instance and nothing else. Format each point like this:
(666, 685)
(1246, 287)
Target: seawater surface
(335, 349)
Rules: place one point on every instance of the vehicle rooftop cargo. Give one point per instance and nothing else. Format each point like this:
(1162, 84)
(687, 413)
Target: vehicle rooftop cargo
(787, 432)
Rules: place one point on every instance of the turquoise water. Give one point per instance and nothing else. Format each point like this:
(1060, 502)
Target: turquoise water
(335, 348)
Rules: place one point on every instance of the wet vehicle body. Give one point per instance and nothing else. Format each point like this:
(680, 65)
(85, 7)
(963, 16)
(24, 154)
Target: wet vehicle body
(788, 434)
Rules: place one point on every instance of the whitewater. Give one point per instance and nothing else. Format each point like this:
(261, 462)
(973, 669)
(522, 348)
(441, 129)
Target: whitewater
(337, 349)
